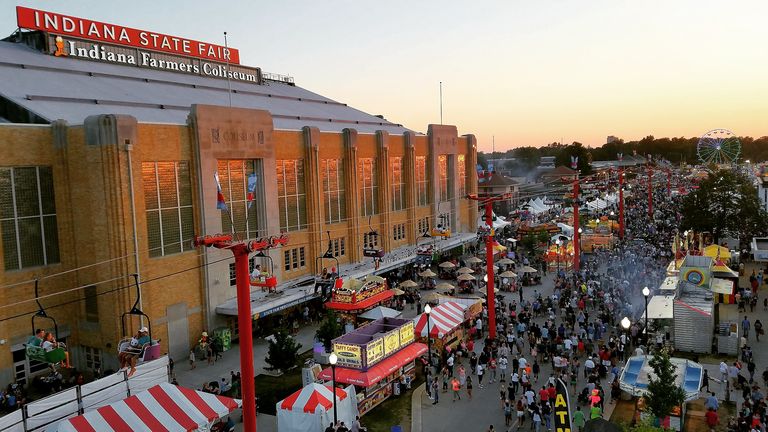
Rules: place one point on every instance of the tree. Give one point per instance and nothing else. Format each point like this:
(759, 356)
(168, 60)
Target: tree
(329, 329)
(283, 351)
(533, 239)
(663, 394)
(576, 149)
(725, 204)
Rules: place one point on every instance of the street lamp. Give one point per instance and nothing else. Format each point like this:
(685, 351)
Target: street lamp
(646, 294)
(428, 311)
(333, 358)
(580, 231)
(625, 325)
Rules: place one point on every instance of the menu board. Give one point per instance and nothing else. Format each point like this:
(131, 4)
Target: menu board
(348, 355)
(374, 351)
(406, 334)
(391, 342)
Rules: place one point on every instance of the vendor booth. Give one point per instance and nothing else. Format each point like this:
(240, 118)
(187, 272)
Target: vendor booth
(356, 296)
(310, 409)
(634, 380)
(164, 407)
(375, 358)
(445, 323)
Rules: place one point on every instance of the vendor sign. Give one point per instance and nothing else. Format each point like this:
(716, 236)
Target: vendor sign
(406, 333)
(374, 351)
(391, 342)
(349, 355)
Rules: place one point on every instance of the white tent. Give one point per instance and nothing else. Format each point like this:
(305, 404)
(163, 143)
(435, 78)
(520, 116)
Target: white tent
(310, 409)
(498, 222)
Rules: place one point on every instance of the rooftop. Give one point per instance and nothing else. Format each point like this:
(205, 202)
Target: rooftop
(52, 88)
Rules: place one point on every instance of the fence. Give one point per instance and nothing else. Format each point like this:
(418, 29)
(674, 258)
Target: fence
(46, 412)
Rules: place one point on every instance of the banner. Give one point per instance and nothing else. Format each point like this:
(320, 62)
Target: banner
(562, 408)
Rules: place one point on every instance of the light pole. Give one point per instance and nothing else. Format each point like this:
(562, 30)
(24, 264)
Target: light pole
(579, 251)
(428, 311)
(625, 325)
(333, 358)
(646, 294)
(557, 243)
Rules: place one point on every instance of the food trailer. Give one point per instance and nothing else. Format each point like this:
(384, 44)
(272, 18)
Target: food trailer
(356, 296)
(374, 358)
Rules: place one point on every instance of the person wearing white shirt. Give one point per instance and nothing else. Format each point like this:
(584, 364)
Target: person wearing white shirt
(523, 363)
(589, 366)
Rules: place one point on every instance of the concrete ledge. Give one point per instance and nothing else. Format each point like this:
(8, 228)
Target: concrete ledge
(416, 401)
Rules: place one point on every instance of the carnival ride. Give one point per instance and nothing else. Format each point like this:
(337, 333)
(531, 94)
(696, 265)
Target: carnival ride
(36, 351)
(145, 352)
(268, 280)
(718, 146)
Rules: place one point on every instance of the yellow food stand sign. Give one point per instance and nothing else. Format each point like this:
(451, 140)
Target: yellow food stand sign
(391, 342)
(406, 334)
(349, 355)
(374, 351)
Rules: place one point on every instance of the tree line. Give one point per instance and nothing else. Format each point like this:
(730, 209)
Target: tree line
(675, 150)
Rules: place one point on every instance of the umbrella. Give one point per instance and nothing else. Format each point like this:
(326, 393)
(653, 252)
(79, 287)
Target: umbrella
(427, 273)
(408, 284)
(447, 264)
(352, 284)
(474, 260)
(528, 269)
(398, 291)
(505, 261)
(374, 278)
(444, 286)
(508, 274)
(466, 270)
(432, 297)
(465, 277)
(380, 312)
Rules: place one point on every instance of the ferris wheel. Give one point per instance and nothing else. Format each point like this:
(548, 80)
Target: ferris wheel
(718, 146)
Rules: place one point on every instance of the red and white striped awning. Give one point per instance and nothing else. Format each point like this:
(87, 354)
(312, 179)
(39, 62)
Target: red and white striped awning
(164, 407)
(443, 319)
(312, 397)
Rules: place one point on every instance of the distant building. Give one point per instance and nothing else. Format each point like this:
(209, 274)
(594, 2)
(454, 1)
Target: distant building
(547, 162)
(612, 139)
(558, 174)
(499, 184)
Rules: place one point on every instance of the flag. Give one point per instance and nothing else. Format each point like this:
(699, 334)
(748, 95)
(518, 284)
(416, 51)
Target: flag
(574, 162)
(221, 203)
(621, 157)
(251, 189)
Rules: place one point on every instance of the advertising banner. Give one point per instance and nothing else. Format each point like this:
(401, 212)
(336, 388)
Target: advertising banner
(562, 408)
(349, 355)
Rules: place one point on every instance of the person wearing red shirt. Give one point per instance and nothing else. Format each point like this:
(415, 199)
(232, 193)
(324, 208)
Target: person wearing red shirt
(543, 394)
(552, 392)
(712, 419)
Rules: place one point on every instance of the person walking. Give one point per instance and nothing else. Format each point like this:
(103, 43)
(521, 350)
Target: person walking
(480, 371)
(455, 386)
(705, 380)
(469, 387)
(712, 419)
(758, 329)
(192, 359)
(578, 419)
(507, 413)
(435, 392)
(745, 327)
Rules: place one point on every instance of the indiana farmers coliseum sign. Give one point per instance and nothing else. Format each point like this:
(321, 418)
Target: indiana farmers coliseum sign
(92, 40)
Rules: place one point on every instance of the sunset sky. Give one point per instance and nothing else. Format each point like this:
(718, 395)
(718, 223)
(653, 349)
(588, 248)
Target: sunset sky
(528, 72)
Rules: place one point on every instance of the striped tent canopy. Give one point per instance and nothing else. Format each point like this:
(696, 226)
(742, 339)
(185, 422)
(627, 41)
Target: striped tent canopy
(164, 407)
(443, 319)
(311, 398)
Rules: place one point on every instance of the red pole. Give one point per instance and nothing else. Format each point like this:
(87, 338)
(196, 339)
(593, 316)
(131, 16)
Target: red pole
(489, 258)
(650, 191)
(245, 323)
(576, 235)
(621, 203)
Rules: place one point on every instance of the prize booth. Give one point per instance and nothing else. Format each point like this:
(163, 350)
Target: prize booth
(356, 296)
(374, 358)
(446, 321)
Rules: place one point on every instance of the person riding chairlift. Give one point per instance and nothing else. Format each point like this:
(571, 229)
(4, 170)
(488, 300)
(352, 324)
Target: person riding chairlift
(49, 344)
(128, 358)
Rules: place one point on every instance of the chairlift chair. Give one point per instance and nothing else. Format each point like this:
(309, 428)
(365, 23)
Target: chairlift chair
(270, 281)
(332, 280)
(439, 231)
(38, 353)
(372, 252)
(148, 351)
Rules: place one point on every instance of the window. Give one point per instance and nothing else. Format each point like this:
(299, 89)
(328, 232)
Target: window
(398, 232)
(338, 247)
(423, 225)
(444, 220)
(294, 259)
(168, 200)
(92, 358)
(233, 175)
(28, 217)
(370, 240)
(332, 171)
(291, 196)
(442, 162)
(397, 187)
(462, 168)
(91, 303)
(368, 186)
(421, 181)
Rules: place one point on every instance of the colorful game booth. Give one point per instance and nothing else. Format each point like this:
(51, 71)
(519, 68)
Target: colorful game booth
(356, 296)
(376, 358)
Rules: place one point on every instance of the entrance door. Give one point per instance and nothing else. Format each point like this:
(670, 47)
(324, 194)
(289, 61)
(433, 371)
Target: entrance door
(178, 332)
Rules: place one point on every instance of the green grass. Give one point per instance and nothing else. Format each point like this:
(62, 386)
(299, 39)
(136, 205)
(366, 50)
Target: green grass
(394, 411)
(271, 390)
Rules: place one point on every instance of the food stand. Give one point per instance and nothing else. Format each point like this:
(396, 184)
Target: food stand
(356, 296)
(374, 357)
(446, 321)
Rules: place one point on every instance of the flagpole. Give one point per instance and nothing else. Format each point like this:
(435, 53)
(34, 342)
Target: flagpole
(229, 82)
(441, 102)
